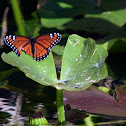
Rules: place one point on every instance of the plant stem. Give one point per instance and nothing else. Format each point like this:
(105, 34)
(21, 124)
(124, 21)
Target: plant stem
(18, 16)
(60, 107)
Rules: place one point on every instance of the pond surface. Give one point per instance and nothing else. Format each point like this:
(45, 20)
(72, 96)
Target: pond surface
(16, 106)
(26, 97)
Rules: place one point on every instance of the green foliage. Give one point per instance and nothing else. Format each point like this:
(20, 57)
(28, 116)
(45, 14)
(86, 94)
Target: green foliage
(83, 60)
(38, 121)
(64, 14)
(3, 83)
(58, 50)
(115, 45)
(4, 74)
(18, 16)
(82, 65)
(42, 72)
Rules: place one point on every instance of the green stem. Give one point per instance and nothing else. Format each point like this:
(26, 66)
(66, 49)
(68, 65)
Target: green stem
(60, 107)
(18, 16)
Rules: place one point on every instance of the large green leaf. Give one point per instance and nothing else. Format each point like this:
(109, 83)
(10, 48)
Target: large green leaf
(42, 72)
(82, 63)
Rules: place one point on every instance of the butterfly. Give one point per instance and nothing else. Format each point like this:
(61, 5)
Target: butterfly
(39, 48)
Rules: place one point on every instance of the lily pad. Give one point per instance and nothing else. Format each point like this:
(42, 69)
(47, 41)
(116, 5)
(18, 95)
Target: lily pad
(82, 63)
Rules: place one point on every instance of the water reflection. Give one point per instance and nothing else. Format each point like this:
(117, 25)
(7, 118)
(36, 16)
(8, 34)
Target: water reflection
(11, 103)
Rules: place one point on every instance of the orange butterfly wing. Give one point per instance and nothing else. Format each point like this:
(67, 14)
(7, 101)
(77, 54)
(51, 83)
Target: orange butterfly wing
(43, 44)
(19, 43)
(39, 47)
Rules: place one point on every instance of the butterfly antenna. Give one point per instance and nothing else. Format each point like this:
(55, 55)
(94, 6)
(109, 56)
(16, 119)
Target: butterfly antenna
(27, 27)
(35, 30)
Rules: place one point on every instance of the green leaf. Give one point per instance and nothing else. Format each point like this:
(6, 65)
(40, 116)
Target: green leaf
(4, 74)
(105, 22)
(82, 63)
(42, 72)
(115, 45)
(3, 83)
(58, 49)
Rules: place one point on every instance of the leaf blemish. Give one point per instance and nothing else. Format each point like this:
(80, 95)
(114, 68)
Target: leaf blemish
(42, 79)
(78, 62)
(33, 76)
(94, 52)
(76, 40)
(96, 65)
(80, 55)
(76, 59)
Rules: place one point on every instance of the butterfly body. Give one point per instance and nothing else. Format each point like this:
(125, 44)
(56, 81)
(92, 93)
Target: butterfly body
(32, 41)
(38, 47)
